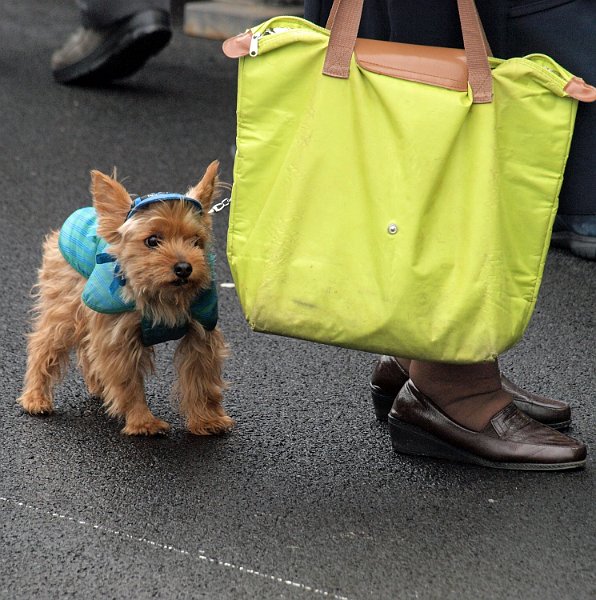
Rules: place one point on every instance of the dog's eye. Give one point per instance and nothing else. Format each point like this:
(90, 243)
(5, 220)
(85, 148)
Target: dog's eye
(198, 242)
(152, 241)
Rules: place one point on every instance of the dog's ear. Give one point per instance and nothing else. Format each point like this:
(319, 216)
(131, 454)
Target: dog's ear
(205, 190)
(112, 203)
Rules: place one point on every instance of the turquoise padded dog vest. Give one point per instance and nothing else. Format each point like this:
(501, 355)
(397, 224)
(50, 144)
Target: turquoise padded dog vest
(83, 249)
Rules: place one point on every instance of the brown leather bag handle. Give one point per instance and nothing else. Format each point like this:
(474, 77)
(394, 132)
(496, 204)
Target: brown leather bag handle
(344, 21)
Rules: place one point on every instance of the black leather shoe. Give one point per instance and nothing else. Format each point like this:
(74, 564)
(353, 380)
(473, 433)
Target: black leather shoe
(93, 57)
(510, 441)
(389, 377)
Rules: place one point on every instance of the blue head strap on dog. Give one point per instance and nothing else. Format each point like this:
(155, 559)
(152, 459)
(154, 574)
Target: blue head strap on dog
(139, 203)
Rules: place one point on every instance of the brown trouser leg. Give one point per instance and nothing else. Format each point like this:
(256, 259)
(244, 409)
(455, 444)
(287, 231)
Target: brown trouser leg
(469, 394)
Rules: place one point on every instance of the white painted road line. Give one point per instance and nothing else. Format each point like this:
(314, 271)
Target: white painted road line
(197, 555)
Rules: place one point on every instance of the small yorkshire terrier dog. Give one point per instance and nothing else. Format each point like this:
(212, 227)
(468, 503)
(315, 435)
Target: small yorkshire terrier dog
(117, 278)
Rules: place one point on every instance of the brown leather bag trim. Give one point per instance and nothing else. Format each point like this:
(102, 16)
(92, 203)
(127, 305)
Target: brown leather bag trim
(580, 90)
(441, 67)
(237, 46)
(345, 19)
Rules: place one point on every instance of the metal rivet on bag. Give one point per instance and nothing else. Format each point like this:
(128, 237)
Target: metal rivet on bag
(392, 229)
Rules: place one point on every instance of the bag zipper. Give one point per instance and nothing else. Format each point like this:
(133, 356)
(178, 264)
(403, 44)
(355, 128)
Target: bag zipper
(254, 41)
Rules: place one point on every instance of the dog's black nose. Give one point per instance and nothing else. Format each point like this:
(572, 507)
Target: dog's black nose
(183, 270)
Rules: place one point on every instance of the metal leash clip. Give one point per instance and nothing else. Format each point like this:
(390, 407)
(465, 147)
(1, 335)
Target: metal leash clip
(220, 205)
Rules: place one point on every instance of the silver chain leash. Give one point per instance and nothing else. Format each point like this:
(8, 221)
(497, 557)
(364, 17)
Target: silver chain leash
(220, 205)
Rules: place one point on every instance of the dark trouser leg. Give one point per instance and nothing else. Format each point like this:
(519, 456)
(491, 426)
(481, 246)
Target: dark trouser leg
(99, 14)
(565, 33)
(426, 22)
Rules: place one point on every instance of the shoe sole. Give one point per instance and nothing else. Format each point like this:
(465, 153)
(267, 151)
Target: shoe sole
(382, 406)
(583, 246)
(122, 53)
(409, 439)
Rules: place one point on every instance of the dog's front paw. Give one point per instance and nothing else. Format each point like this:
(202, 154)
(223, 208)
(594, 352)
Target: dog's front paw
(151, 426)
(36, 404)
(214, 426)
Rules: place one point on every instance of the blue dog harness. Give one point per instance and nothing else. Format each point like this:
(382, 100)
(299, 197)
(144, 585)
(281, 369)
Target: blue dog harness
(87, 253)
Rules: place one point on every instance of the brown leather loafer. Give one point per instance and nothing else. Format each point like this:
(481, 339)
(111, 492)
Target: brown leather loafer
(387, 380)
(548, 411)
(511, 440)
(389, 377)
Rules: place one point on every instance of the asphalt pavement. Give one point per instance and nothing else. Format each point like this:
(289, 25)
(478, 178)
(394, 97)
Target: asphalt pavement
(305, 498)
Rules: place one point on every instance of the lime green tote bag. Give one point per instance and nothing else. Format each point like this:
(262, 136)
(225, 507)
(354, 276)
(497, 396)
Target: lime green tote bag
(394, 198)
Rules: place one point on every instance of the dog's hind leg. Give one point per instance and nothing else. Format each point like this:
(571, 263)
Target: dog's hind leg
(55, 329)
(49, 348)
(199, 360)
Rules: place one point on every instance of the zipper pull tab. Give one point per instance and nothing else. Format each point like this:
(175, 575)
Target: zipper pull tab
(254, 45)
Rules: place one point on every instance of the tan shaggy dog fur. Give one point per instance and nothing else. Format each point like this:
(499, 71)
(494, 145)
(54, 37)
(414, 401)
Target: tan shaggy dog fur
(110, 354)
